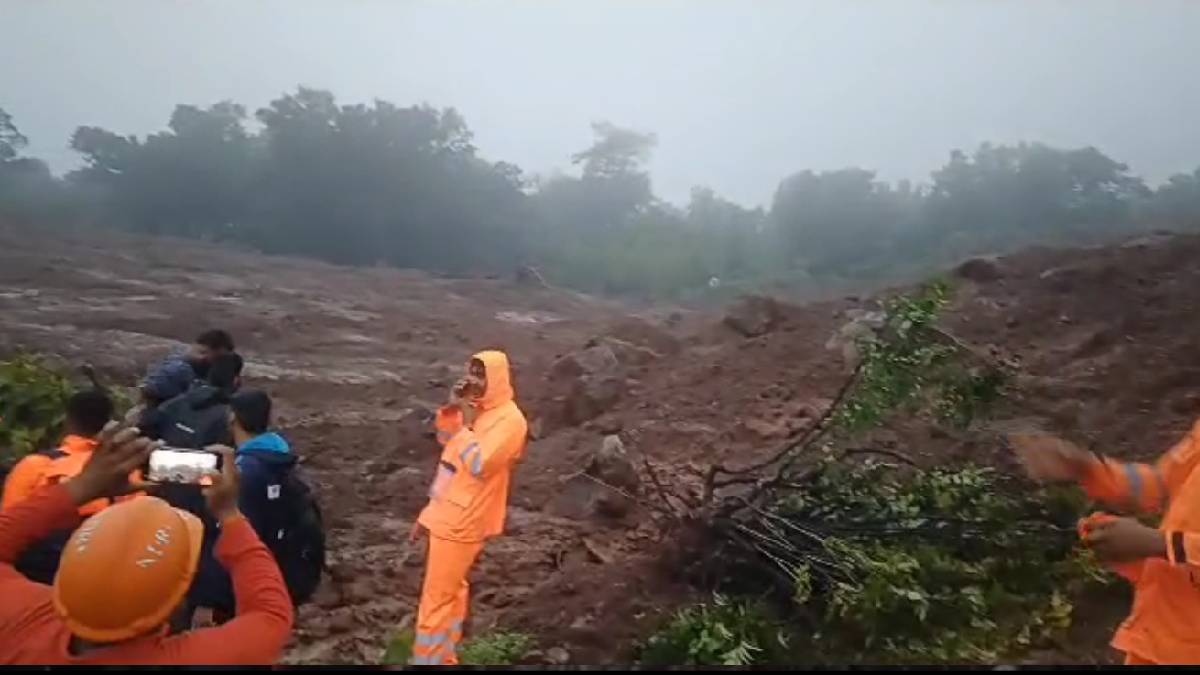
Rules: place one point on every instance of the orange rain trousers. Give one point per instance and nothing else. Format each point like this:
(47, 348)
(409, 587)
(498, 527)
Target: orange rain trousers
(444, 600)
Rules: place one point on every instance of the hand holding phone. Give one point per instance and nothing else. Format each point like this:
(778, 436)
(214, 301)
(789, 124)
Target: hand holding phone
(183, 466)
(222, 495)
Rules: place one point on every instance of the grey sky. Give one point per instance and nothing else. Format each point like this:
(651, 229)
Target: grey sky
(740, 92)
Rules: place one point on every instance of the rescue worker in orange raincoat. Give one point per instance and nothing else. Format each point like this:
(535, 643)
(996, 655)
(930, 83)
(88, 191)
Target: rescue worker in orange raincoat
(483, 434)
(1164, 563)
(127, 568)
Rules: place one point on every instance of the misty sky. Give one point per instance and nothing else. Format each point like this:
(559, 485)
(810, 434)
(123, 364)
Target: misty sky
(740, 92)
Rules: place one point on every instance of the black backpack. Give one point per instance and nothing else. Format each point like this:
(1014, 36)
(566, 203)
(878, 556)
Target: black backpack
(194, 419)
(295, 535)
(300, 551)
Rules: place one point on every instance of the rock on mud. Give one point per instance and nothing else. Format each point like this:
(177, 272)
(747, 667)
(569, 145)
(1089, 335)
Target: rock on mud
(612, 465)
(597, 359)
(754, 315)
(583, 498)
(980, 270)
(862, 324)
(557, 656)
(591, 396)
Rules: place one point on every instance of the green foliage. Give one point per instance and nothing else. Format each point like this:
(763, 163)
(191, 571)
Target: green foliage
(969, 395)
(490, 649)
(936, 565)
(724, 632)
(33, 400)
(899, 564)
(907, 364)
(495, 649)
(399, 649)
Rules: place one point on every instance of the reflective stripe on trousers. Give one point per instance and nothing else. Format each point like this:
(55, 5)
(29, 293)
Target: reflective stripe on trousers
(444, 601)
(437, 649)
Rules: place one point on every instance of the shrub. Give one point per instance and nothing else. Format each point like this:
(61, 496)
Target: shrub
(724, 632)
(33, 400)
(489, 649)
(495, 649)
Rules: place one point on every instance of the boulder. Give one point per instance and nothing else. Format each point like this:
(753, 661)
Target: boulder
(612, 465)
(642, 333)
(754, 315)
(980, 270)
(594, 360)
(862, 324)
(582, 498)
(557, 656)
(590, 396)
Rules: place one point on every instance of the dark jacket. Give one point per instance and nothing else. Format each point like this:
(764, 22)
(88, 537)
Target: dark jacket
(263, 464)
(194, 419)
(170, 377)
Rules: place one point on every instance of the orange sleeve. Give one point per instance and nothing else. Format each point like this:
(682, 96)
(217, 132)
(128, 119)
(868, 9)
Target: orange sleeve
(23, 480)
(24, 605)
(495, 447)
(46, 510)
(1139, 487)
(1144, 488)
(448, 423)
(260, 630)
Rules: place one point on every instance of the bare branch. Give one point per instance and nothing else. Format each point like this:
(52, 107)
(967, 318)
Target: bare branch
(880, 451)
(657, 507)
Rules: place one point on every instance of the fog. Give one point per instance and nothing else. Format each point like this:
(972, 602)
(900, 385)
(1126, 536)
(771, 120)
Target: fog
(739, 93)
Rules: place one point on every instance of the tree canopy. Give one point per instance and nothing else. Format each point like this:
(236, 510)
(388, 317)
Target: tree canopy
(365, 184)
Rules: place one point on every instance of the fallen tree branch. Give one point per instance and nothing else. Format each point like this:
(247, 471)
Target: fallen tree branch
(662, 490)
(880, 451)
(814, 432)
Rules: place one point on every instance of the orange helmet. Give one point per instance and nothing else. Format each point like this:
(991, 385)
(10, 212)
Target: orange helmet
(126, 569)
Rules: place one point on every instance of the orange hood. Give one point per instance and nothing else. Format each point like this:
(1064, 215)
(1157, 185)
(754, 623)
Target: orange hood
(499, 380)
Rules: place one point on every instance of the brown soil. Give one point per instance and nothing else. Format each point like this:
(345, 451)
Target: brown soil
(1103, 337)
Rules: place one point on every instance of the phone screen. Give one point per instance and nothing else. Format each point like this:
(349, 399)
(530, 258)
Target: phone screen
(180, 465)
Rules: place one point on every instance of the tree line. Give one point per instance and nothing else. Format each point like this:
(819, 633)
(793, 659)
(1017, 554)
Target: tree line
(367, 184)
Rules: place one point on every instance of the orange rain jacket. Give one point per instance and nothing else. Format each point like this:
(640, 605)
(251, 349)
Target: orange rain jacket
(38, 470)
(1164, 625)
(469, 495)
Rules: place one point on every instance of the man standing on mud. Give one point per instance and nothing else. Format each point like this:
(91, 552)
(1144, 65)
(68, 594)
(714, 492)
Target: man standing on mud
(483, 436)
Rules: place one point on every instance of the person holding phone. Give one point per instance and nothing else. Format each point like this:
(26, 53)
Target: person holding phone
(126, 569)
(483, 434)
